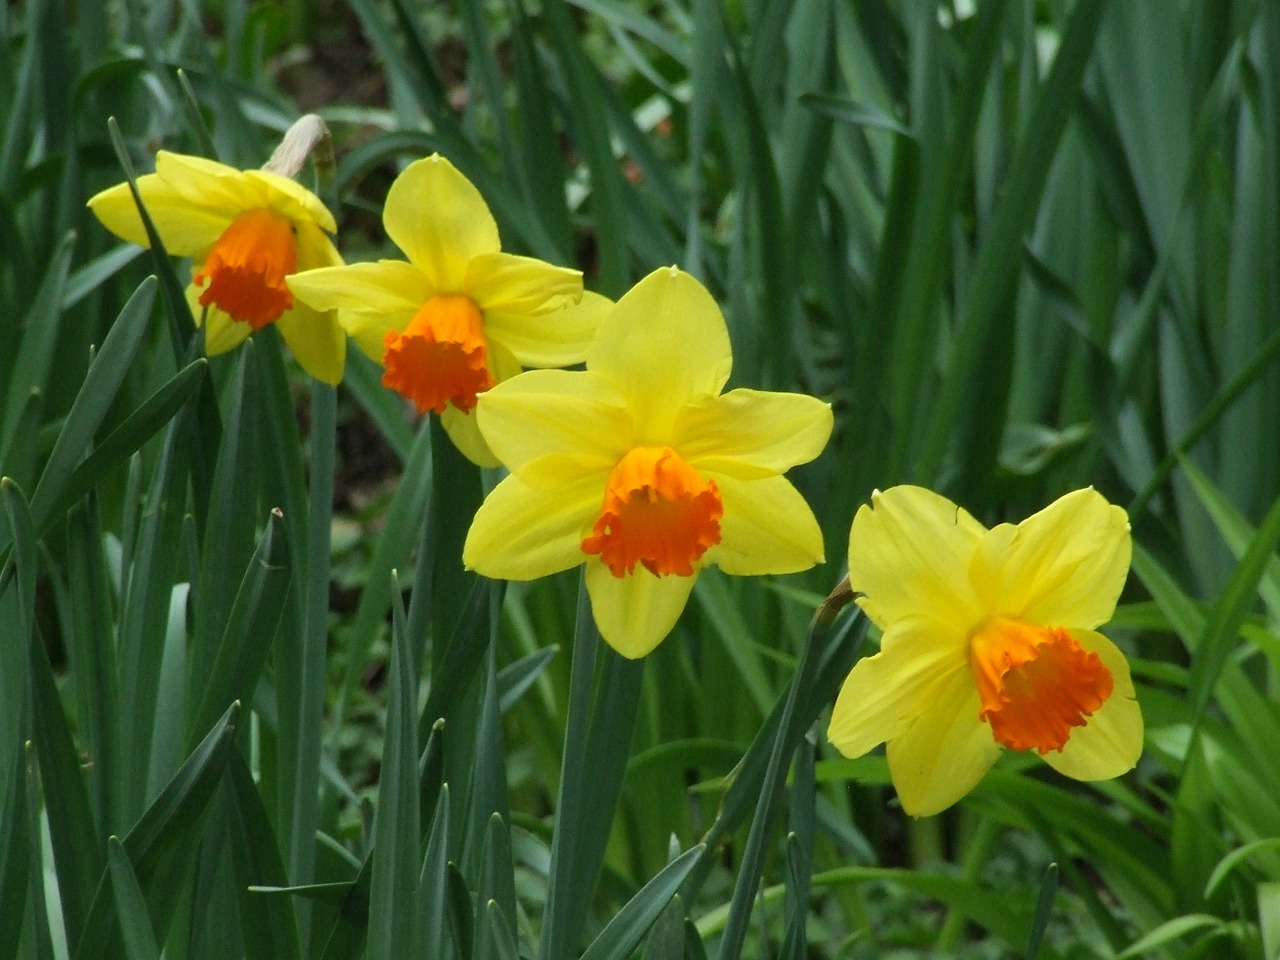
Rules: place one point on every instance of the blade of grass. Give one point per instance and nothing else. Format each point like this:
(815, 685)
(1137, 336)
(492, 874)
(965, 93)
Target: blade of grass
(597, 738)
(162, 845)
(624, 932)
(123, 442)
(394, 923)
(1228, 612)
(249, 628)
(33, 364)
(77, 851)
(228, 534)
(131, 906)
(996, 272)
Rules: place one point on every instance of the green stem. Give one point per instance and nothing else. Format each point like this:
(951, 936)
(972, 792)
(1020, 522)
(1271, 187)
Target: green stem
(976, 855)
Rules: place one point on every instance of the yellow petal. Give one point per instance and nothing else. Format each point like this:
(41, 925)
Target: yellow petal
(752, 433)
(465, 434)
(945, 753)
(372, 299)
(210, 185)
(767, 528)
(317, 341)
(464, 428)
(548, 412)
(221, 333)
(636, 612)
(665, 344)
(885, 693)
(1065, 566)
(909, 552)
(510, 284)
(294, 200)
(388, 286)
(1110, 743)
(315, 249)
(555, 339)
(185, 230)
(435, 215)
(521, 534)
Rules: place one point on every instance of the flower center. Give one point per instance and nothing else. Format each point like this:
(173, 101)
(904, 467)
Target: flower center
(246, 268)
(1036, 683)
(441, 357)
(657, 511)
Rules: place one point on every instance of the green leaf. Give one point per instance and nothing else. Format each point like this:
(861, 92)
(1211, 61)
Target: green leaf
(33, 364)
(497, 874)
(394, 924)
(249, 628)
(15, 855)
(131, 906)
(846, 110)
(403, 521)
(432, 893)
(461, 911)
(591, 131)
(97, 393)
(163, 844)
(487, 837)
(515, 678)
(793, 719)
(268, 923)
(19, 602)
(1044, 910)
(800, 840)
(91, 656)
(1233, 859)
(227, 536)
(1169, 931)
(996, 271)
(76, 849)
(497, 940)
(1234, 603)
(624, 932)
(123, 442)
(1269, 917)
(597, 740)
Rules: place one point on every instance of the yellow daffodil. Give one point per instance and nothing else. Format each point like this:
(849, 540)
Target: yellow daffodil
(641, 469)
(989, 641)
(246, 231)
(460, 315)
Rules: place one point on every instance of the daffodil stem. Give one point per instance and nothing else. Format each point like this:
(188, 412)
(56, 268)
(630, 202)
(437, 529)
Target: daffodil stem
(811, 681)
(604, 696)
(976, 854)
(315, 634)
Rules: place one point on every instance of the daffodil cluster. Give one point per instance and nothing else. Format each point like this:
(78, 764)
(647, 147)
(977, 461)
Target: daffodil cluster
(642, 471)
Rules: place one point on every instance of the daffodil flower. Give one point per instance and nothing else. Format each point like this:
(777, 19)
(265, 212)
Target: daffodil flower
(989, 642)
(246, 230)
(639, 468)
(460, 315)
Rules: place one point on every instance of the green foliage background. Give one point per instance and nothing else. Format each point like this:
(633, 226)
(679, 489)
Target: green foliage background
(1021, 247)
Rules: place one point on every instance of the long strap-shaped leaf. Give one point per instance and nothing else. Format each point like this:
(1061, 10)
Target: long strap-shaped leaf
(163, 843)
(797, 712)
(996, 271)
